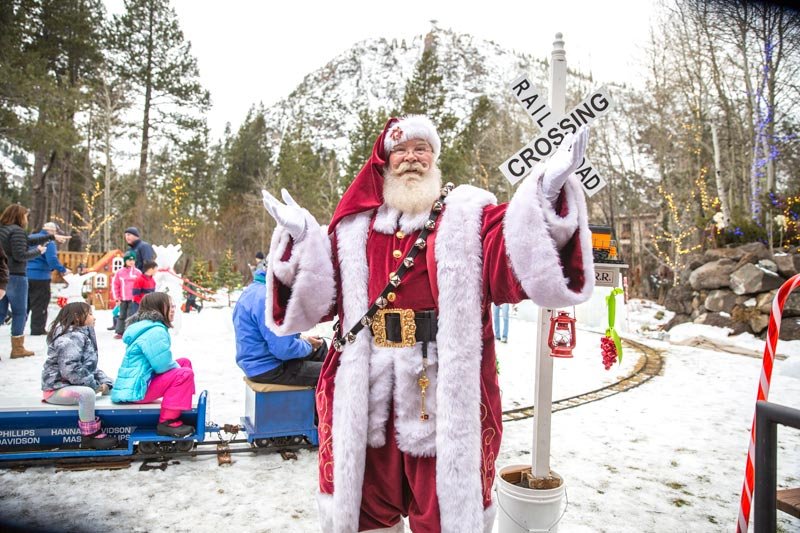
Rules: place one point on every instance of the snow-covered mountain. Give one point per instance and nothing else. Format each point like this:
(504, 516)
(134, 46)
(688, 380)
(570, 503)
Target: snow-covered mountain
(374, 73)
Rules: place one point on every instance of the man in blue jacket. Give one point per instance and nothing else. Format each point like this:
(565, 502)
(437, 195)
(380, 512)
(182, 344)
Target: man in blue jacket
(38, 273)
(143, 249)
(265, 357)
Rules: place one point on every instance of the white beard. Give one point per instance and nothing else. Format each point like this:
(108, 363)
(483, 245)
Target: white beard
(412, 193)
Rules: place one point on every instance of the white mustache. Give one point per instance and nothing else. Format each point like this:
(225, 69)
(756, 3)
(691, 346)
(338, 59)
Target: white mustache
(405, 166)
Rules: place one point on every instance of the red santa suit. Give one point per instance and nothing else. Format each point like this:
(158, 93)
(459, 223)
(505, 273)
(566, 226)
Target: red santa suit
(377, 459)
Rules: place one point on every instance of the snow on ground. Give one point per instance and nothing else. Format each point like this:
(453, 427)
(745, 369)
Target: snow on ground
(666, 456)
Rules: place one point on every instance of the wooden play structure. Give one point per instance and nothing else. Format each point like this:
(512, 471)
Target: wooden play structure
(98, 289)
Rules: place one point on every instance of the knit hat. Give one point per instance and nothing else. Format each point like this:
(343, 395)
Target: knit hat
(130, 254)
(133, 230)
(413, 127)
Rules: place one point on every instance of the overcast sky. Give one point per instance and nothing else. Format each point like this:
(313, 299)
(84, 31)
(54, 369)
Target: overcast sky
(251, 51)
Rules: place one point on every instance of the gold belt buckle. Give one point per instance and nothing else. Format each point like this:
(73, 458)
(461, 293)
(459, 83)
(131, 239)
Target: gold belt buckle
(408, 328)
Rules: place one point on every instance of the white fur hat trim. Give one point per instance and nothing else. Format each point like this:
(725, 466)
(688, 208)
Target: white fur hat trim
(413, 127)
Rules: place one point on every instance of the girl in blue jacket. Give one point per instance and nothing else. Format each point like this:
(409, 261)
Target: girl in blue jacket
(149, 372)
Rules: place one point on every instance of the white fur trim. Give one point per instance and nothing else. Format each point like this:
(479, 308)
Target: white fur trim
(489, 515)
(381, 384)
(532, 248)
(325, 511)
(414, 436)
(283, 270)
(561, 228)
(388, 218)
(459, 253)
(351, 392)
(309, 274)
(414, 127)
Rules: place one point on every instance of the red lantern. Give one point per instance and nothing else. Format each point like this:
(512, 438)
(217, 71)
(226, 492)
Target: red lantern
(562, 335)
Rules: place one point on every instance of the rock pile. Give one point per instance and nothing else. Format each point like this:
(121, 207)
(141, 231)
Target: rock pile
(734, 288)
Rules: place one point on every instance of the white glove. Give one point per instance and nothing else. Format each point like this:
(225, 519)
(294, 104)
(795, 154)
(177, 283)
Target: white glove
(564, 162)
(289, 215)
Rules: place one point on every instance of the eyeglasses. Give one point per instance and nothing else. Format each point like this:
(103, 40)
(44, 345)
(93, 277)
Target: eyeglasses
(419, 150)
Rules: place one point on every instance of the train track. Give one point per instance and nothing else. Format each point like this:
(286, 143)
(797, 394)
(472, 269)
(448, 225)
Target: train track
(647, 367)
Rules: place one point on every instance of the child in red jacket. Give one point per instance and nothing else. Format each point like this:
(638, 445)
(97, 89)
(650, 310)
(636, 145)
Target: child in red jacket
(145, 284)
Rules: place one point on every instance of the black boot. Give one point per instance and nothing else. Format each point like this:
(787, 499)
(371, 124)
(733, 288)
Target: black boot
(92, 436)
(164, 428)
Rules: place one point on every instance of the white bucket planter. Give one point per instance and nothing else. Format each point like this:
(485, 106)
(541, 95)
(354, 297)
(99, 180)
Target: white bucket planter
(524, 510)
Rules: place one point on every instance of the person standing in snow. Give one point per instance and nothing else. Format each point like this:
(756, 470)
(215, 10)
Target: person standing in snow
(39, 270)
(122, 291)
(409, 408)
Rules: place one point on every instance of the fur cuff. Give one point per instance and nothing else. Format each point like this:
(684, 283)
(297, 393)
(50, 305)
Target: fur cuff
(325, 510)
(309, 275)
(561, 228)
(532, 244)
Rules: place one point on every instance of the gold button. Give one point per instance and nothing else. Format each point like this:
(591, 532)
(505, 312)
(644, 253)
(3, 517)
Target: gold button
(396, 254)
(391, 297)
(399, 234)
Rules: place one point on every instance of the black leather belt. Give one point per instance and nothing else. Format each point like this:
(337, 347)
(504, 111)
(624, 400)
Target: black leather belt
(425, 322)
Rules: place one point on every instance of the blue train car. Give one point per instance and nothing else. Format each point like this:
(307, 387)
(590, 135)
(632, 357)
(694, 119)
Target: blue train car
(36, 430)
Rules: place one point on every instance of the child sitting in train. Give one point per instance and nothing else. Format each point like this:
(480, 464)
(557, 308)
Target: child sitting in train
(149, 372)
(70, 375)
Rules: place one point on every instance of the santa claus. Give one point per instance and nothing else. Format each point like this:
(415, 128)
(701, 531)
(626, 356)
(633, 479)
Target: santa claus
(408, 399)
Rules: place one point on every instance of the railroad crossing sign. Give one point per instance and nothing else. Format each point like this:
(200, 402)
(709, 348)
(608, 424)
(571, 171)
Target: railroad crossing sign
(533, 99)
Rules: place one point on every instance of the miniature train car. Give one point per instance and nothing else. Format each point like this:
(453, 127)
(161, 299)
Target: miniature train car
(32, 429)
(276, 417)
(603, 249)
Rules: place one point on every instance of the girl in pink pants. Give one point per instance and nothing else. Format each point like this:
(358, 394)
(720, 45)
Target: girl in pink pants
(148, 370)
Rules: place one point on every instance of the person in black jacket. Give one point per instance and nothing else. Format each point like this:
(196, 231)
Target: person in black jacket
(3, 273)
(18, 248)
(144, 251)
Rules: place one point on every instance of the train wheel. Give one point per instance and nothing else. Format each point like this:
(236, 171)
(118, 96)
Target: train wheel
(148, 448)
(184, 445)
(263, 443)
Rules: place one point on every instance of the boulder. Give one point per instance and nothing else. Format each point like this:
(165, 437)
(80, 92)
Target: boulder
(788, 264)
(679, 300)
(720, 300)
(714, 254)
(791, 307)
(713, 275)
(759, 250)
(764, 301)
(750, 279)
(676, 320)
(759, 322)
(715, 319)
(790, 329)
(768, 264)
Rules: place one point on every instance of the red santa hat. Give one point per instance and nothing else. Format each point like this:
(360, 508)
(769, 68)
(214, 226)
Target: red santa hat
(413, 127)
(366, 191)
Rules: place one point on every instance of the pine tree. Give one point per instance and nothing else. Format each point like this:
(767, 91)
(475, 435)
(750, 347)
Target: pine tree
(156, 60)
(226, 275)
(49, 52)
(361, 140)
(425, 93)
(301, 171)
(249, 160)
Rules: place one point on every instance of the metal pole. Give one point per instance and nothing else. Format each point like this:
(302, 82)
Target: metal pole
(543, 402)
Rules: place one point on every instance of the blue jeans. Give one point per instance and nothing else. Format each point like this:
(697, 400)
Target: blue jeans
(17, 297)
(498, 311)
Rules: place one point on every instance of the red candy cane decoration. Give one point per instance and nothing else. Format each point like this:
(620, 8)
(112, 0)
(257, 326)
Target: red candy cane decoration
(763, 393)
